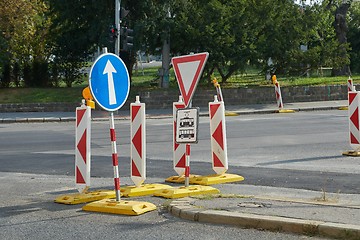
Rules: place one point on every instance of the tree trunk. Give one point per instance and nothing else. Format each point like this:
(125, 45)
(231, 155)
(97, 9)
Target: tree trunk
(341, 29)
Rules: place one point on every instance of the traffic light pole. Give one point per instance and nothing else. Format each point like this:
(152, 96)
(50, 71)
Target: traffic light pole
(117, 25)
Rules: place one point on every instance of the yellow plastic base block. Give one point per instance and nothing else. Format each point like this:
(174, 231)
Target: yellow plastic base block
(122, 207)
(79, 198)
(343, 108)
(179, 179)
(230, 114)
(143, 190)
(216, 179)
(351, 153)
(182, 192)
(286, 111)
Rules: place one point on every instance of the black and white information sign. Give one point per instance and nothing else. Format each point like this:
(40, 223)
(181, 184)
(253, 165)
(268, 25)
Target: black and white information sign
(187, 120)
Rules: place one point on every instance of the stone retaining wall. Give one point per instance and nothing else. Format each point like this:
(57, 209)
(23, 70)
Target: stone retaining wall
(158, 99)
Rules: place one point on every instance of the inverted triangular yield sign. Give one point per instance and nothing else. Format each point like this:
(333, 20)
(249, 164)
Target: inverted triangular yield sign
(188, 70)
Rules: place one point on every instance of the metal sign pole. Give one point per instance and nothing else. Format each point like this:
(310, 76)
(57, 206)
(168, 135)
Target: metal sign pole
(117, 26)
(114, 157)
(187, 165)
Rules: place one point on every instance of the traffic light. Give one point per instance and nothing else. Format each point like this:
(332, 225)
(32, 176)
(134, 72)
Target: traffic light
(113, 33)
(128, 38)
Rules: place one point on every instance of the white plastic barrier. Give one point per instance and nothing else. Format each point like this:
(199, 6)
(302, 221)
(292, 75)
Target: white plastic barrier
(354, 131)
(82, 148)
(179, 150)
(138, 142)
(218, 136)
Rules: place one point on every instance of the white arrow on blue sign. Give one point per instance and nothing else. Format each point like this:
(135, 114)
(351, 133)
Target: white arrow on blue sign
(109, 81)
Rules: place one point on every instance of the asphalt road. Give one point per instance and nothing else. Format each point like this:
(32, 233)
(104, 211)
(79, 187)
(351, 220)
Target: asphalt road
(299, 150)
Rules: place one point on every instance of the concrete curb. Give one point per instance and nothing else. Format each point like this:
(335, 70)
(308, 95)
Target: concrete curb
(37, 120)
(184, 209)
(201, 114)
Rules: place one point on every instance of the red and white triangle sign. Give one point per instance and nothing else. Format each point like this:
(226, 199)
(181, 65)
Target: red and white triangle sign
(188, 70)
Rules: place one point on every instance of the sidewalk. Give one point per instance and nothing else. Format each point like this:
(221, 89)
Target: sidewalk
(163, 113)
(276, 209)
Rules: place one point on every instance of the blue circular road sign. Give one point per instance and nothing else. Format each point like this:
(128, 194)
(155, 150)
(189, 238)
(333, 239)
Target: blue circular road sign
(109, 81)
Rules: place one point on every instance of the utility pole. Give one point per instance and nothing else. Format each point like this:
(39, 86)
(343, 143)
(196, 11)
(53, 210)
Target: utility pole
(165, 63)
(117, 26)
(166, 55)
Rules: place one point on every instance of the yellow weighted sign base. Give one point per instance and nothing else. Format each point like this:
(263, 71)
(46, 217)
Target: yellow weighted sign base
(230, 114)
(79, 198)
(286, 111)
(343, 108)
(351, 153)
(181, 192)
(122, 207)
(179, 179)
(143, 190)
(216, 179)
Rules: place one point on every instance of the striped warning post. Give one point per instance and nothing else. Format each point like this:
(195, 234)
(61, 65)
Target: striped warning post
(138, 138)
(278, 95)
(218, 136)
(179, 153)
(114, 157)
(82, 152)
(350, 84)
(354, 130)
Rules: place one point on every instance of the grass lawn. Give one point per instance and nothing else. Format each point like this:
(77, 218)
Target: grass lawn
(147, 79)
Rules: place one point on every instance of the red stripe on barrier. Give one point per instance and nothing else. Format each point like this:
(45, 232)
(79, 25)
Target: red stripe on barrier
(181, 163)
(353, 139)
(112, 135)
(137, 141)
(218, 135)
(134, 112)
(134, 169)
(79, 176)
(82, 146)
(352, 96)
(355, 118)
(213, 109)
(80, 114)
(117, 183)
(277, 95)
(217, 162)
(115, 159)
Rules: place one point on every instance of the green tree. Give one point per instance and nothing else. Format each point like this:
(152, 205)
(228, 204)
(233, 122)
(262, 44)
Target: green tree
(78, 28)
(354, 36)
(24, 28)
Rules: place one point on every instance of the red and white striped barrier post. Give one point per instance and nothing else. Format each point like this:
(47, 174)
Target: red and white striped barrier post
(350, 85)
(138, 142)
(354, 128)
(278, 93)
(83, 151)
(179, 150)
(218, 136)
(114, 157)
